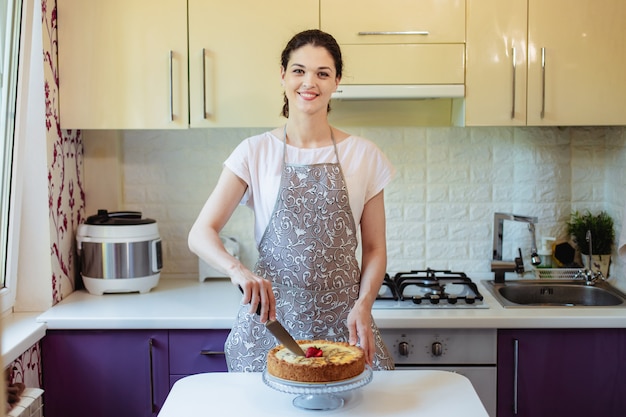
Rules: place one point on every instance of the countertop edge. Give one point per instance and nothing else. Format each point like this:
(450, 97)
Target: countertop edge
(20, 331)
(137, 323)
(213, 304)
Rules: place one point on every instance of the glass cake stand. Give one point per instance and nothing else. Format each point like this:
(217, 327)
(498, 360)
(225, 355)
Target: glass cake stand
(320, 395)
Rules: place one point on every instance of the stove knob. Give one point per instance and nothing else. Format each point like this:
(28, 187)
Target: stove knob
(470, 299)
(437, 349)
(403, 349)
(452, 300)
(434, 299)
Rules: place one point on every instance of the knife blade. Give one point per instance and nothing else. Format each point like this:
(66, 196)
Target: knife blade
(284, 337)
(280, 333)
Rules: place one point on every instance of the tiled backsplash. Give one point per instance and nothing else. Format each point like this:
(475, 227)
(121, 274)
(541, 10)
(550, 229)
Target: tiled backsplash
(439, 207)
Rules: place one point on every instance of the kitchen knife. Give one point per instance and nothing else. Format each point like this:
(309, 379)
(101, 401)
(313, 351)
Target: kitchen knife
(281, 333)
(284, 337)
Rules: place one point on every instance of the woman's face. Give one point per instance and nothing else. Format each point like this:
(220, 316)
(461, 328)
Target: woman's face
(309, 79)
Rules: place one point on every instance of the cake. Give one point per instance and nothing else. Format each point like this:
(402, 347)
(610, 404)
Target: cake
(325, 361)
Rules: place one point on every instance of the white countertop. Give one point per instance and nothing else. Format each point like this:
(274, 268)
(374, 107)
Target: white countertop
(173, 304)
(390, 393)
(20, 331)
(212, 304)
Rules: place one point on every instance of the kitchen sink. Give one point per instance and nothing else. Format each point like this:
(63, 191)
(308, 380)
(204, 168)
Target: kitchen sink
(555, 293)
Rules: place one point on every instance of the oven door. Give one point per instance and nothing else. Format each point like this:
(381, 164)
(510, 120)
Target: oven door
(483, 378)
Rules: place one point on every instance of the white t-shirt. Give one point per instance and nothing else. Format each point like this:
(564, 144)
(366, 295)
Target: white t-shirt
(258, 161)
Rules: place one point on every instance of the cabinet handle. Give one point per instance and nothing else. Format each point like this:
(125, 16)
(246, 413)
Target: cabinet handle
(204, 113)
(543, 82)
(514, 77)
(171, 86)
(515, 373)
(211, 352)
(407, 32)
(152, 405)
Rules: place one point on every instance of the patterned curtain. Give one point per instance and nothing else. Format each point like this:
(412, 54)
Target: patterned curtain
(66, 196)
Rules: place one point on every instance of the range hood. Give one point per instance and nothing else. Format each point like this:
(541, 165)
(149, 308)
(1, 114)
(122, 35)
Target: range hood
(398, 92)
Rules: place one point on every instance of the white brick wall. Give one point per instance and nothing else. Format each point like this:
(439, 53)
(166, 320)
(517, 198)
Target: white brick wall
(440, 206)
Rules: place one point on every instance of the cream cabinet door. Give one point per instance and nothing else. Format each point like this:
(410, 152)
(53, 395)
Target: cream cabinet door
(398, 41)
(122, 64)
(234, 58)
(411, 64)
(576, 59)
(545, 62)
(394, 21)
(495, 75)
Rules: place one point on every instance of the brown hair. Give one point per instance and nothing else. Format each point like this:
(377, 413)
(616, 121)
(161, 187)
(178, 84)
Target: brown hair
(314, 37)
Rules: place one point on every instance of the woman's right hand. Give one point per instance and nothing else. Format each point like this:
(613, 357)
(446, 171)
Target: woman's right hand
(256, 290)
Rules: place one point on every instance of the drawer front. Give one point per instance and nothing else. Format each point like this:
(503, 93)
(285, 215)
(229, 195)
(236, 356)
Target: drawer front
(404, 64)
(394, 21)
(197, 351)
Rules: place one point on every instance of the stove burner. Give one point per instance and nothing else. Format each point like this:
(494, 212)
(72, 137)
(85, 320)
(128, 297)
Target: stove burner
(431, 287)
(388, 290)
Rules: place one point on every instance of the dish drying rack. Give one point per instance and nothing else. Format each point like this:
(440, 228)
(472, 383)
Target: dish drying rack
(556, 273)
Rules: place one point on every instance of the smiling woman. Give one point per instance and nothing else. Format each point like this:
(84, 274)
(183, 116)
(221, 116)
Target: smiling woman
(10, 17)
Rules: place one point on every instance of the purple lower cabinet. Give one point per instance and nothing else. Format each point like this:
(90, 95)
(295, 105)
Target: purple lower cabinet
(89, 373)
(196, 351)
(562, 372)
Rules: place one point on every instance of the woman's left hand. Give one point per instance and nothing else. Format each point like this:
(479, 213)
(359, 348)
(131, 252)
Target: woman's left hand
(360, 328)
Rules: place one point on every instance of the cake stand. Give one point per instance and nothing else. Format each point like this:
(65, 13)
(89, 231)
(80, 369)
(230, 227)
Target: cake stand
(320, 395)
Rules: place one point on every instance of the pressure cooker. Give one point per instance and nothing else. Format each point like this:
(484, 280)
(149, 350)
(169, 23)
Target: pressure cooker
(119, 252)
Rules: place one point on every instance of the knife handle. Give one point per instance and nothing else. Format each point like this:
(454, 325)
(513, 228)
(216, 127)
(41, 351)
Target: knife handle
(258, 308)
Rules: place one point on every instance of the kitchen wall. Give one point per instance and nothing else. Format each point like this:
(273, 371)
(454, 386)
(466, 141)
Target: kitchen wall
(439, 207)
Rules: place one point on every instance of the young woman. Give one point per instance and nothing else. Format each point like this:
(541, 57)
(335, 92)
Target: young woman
(313, 189)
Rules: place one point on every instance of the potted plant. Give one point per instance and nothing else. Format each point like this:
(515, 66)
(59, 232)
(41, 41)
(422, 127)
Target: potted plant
(602, 238)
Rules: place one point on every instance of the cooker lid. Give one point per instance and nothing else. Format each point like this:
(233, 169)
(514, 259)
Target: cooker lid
(117, 218)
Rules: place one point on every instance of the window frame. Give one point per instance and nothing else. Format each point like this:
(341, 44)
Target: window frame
(11, 177)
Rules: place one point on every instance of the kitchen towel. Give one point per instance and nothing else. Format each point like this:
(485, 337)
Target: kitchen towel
(621, 243)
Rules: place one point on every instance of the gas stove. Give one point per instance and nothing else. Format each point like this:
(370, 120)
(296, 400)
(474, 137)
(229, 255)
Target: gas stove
(430, 289)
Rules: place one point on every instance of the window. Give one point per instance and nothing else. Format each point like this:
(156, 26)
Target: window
(10, 19)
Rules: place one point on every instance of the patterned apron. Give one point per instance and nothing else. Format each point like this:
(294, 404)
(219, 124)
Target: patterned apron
(308, 251)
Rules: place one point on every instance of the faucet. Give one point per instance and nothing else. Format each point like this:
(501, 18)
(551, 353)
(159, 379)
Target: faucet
(587, 274)
(500, 266)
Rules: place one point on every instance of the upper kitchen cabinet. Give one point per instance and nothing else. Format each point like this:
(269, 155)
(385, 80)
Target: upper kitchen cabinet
(576, 60)
(122, 64)
(398, 41)
(173, 64)
(495, 84)
(545, 62)
(234, 58)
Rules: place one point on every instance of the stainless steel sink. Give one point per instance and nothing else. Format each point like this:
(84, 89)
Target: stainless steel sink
(555, 293)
